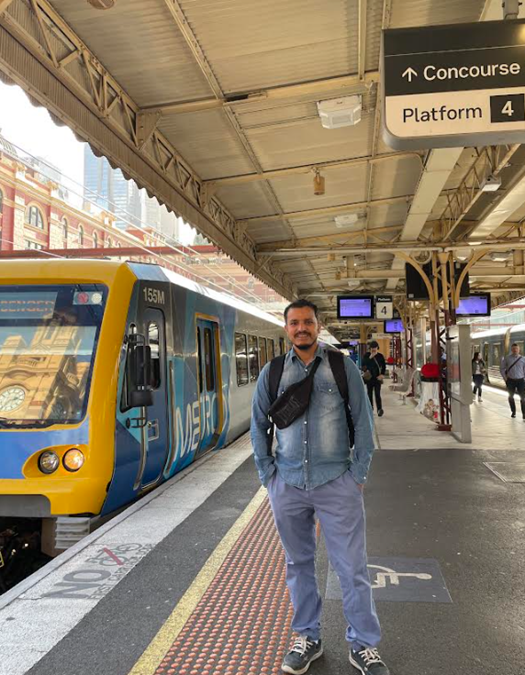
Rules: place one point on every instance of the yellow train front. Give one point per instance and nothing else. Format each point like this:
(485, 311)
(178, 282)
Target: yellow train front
(113, 377)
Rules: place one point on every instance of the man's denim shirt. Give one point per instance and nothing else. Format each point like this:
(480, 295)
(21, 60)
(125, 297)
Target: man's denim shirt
(315, 448)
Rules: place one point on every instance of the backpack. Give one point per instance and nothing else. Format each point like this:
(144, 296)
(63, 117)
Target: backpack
(337, 366)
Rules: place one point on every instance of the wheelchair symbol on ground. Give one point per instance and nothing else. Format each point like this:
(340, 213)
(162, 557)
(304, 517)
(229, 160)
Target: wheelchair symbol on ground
(384, 576)
(399, 580)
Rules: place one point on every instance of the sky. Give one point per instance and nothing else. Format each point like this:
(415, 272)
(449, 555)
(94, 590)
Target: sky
(33, 132)
(32, 129)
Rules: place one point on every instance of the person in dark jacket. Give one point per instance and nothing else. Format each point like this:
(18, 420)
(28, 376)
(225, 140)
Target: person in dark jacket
(478, 373)
(374, 369)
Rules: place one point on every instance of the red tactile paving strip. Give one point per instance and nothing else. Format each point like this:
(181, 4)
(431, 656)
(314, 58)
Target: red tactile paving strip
(241, 626)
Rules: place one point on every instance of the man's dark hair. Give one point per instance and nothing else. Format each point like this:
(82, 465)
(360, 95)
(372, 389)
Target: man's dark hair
(299, 304)
(514, 344)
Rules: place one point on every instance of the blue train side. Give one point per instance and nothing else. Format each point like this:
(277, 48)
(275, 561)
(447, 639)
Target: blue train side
(146, 371)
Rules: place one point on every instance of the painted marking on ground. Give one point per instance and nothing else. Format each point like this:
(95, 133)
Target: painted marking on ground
(399, 580)
(149, 661)
(92, 579)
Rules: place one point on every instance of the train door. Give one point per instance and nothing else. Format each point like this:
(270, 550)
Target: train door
(157, 428)
(210, 384)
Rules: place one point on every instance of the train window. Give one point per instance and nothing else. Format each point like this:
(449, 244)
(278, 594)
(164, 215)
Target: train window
(263, 354)
(486, 353)
(154, 345)
(496, 353)
(253, 357)
(271, 349)
(282, 345)
(241, 359)
(208, 360)
(199, 359)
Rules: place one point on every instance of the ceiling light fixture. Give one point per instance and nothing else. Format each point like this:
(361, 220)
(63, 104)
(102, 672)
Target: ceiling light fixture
(346, 219)
(340, 112)
(318, 183)
(490, 184)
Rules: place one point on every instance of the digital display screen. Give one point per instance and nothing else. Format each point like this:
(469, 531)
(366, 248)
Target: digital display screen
(355, 307)
(474, 305)
(27, 305)
(394, 326)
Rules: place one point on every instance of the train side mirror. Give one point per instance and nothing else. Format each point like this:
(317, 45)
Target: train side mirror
(139, 375)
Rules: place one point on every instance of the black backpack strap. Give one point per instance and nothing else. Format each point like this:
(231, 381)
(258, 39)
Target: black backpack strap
(276, 372)
(337, 365)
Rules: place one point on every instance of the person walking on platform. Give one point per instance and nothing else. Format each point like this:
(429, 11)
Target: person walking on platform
(478, 373)
(374, 369)
(512, 370)
(309, 394)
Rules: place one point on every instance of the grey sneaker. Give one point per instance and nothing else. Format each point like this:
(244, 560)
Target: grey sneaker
(368, 662)
(303, 652)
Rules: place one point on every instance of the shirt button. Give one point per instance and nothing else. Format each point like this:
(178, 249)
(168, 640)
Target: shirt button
(305, 422)
(305, 442)
(306, 461)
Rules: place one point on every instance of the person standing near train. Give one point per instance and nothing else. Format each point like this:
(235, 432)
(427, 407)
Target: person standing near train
(512, 370)
(478, 374)
(314, 473)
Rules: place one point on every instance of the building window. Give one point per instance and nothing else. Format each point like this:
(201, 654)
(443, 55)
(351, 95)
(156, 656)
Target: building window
(1, 202)
(241, 359)
(118, 244)
(109, 243)
(80, 235)
(34, 217)
(65, 229)
(33, 245)
(95, 240)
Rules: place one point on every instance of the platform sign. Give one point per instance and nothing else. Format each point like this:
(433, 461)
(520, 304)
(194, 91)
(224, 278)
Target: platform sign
(454, 86)
(384, 307)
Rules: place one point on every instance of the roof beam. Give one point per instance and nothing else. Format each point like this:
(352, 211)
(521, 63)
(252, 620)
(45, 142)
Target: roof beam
(306, 241)
(4, 4)
(308, 168)
(316, 88)
(329, 210)
(405, 247)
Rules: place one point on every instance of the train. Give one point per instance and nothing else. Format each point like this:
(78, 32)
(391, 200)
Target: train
(114, 376)
(494, 344)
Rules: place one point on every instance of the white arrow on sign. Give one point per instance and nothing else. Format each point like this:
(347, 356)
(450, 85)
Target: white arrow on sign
(409, 74)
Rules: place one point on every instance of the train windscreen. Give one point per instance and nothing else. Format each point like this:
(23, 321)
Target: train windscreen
(48, 341)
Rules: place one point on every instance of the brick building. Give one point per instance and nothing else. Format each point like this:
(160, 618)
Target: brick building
(35, 215)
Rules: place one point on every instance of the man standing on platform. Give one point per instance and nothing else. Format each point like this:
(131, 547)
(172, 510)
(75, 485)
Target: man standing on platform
(313, 473)
(374, 369)
(512, 370)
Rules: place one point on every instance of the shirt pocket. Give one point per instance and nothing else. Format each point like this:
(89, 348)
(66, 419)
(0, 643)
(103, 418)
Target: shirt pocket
(327, 396)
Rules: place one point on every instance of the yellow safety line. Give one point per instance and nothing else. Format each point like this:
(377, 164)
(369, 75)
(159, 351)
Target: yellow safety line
(159, 646)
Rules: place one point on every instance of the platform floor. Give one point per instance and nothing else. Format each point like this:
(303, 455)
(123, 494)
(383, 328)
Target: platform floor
(190, 581)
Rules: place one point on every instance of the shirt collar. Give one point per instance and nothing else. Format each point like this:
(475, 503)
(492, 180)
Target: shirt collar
(320, 351)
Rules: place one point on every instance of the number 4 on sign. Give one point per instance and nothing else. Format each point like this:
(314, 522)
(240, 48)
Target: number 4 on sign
(507, 109)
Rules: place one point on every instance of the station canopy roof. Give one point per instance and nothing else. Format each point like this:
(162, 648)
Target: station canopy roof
(212, 106)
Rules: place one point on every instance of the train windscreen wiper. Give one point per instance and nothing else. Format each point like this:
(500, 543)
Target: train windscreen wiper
(6, 423)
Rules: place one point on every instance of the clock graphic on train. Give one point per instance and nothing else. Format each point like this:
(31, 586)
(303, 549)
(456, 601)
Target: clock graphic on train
(11, 399)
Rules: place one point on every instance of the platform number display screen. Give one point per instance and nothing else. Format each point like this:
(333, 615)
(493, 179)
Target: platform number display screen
(384, 307)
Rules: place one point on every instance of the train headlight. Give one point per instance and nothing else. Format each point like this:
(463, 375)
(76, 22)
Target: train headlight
(73, 459)
(48, 462)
